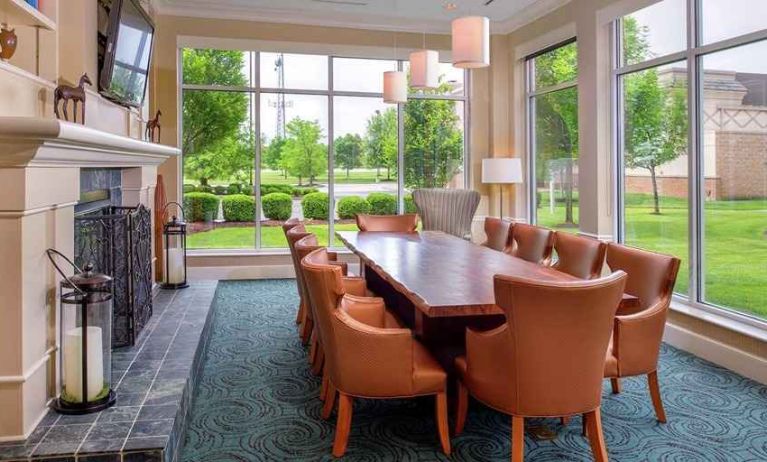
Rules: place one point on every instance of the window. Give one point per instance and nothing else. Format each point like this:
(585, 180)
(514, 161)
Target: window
(327, 145)
(703, 202)
(553, 128)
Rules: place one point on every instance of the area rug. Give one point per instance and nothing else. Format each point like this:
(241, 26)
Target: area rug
(257, 401)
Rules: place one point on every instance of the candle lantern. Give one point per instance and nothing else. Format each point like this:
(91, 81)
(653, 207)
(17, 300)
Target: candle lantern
(85, 339)
(174, 234)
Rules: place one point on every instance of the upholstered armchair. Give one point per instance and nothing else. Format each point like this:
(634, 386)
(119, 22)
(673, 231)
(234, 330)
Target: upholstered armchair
(532, 243)
(637, 335)
(498, 234)
(366, 357)
(515, 370)
(406, 223)
(295, 230)
(447, 210)
(578, 256)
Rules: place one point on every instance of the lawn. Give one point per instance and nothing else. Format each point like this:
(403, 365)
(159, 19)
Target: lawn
(735, 248)
(356, 176)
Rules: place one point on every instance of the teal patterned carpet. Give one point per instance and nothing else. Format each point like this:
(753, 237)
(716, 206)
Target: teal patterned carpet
(257, 401)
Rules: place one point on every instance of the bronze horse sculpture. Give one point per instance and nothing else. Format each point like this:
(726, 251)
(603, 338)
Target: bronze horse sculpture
(151, 126)
(75, 94)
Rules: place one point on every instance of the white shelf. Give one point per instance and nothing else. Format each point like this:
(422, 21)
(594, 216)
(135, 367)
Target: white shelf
(20, 13)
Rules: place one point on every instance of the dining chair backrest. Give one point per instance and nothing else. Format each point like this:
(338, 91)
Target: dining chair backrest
(497, 234)
(582, 257)
(651, 275)
(447, 210)
(532, 243)
(406, 223)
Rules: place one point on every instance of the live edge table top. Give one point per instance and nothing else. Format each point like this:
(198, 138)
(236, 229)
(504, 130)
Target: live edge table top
(442, 275)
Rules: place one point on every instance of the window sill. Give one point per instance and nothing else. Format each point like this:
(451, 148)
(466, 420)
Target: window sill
(736, 322)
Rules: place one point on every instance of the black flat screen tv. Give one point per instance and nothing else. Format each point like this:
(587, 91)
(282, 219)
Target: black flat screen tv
(127, 53)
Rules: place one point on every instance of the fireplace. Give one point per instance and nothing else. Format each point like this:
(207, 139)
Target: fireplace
(118, 242)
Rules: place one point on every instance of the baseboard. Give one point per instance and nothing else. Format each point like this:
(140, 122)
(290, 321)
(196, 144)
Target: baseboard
(207, 273)
(718, 353)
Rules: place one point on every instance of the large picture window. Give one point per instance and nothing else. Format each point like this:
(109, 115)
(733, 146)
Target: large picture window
(694, 157)
(267, 136)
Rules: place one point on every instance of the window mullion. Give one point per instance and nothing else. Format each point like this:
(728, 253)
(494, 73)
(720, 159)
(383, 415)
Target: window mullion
(257, 158)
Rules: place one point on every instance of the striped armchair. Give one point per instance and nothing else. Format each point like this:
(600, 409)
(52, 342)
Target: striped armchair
(447, 210)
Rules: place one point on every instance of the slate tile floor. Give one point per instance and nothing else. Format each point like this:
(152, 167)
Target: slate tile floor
(153, 381)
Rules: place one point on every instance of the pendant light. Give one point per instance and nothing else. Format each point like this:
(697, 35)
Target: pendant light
(424, 68)
(471, 42)
(395, 83)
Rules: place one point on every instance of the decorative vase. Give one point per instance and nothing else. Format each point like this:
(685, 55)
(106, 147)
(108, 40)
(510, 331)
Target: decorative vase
(8, 41)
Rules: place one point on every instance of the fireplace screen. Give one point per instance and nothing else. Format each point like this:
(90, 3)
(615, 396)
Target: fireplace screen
(118, 241)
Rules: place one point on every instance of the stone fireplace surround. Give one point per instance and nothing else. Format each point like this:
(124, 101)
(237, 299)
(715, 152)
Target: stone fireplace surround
(40, 166)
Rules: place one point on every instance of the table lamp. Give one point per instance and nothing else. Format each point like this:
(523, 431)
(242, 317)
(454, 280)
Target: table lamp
(502, 170)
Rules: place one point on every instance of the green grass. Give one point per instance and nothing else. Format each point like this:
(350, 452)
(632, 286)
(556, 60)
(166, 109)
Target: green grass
(245, 237)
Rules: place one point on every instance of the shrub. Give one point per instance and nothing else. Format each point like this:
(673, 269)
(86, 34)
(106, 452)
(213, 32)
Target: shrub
(219, 190)
(382, 203)
(248, 189)
(277, 206)
(410, 204)
(302, 191)
(350, 206)
(315, 206)
(200, 206)
(239, 207)
(190, 188)
(268, 188)
(234, 188)
(206, 188)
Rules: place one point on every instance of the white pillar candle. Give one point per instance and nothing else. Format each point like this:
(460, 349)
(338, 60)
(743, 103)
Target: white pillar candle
(73, 363)
(175, 266)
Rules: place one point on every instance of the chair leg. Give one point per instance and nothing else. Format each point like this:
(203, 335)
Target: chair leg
(652, 381)
(564, 420)
(585, 425)
(324, 386)
(596, 437)
(319, 359)
(312, 348)
(462, 406)
(300, 313)
(330, 400)
(306, 329)
(517, 439)
(442, 428)
(616, 385)
(343, 425)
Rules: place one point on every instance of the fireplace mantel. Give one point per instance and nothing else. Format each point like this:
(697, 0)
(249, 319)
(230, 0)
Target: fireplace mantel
(30, 141)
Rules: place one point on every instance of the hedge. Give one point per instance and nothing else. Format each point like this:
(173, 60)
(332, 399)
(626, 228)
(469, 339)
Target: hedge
(219, 190)
(382, 203)
(350, 206)
(200, 206)
(190, 188)
(206, 188)
(302, 191)
(268, 188)
(277, 206)
(315, 206)
(235, 188)
(410, 204)
(239, 207)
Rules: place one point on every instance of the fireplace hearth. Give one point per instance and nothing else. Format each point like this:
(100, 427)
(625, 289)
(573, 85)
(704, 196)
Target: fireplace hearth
(118, 242)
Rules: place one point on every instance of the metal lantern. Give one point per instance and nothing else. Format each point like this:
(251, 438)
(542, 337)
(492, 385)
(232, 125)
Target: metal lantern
(85, 339)
(174, 234)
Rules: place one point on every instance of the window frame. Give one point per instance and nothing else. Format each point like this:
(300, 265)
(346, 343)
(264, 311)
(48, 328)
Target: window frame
(693, 55)
(330, 93)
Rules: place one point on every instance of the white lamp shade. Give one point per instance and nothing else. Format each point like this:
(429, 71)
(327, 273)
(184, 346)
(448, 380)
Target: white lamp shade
(471, 42)
(502, 170)
(424, 69)
(395, 87)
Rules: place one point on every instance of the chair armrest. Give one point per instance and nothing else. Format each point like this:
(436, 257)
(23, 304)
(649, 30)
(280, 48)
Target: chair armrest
(355, 286)
(367, 310)
(637, 338)
(485, 350)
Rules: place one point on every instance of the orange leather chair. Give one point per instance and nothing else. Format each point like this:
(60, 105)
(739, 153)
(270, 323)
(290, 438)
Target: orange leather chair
(406, 223)
(287, 226)
(293, 235)
(498, 234)
(364, 357)
(352, 285)
(515, 369)
(581, 257)
(532, 243)
(635, 344)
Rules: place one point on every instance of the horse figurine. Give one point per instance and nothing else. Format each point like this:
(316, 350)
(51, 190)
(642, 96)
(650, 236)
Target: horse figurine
(151, 126)
(75, 94)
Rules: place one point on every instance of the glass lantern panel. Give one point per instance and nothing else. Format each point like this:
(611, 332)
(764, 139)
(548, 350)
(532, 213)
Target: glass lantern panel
(175, 254)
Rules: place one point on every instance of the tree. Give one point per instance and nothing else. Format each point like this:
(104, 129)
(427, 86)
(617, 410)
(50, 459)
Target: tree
(230, 158)
(272, 154)
(348, 151)
(304, 155)
(381, 141)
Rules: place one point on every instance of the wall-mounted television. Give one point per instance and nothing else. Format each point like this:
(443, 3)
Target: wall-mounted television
(127, 51)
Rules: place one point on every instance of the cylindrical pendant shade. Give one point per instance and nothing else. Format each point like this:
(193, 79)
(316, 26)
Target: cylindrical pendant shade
(424, 69)
(395, 87)
(471, 42)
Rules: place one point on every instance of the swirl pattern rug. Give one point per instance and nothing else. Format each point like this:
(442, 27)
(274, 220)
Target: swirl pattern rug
(257, 401)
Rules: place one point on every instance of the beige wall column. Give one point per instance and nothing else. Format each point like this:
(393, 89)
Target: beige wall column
(36, 214)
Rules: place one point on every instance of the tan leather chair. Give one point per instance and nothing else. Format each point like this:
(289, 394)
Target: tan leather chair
(532, 243)
(365, 358)
(635, 344)
(581, 257)
(293, 235)
(287, 226)
(517, 370)
(498, 234)
(352, 285)
(406, 223)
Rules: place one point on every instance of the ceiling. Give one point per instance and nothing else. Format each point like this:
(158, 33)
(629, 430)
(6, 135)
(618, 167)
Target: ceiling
(402, 15)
